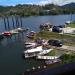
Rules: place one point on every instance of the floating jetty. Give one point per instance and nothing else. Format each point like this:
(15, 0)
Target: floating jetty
(47, 57)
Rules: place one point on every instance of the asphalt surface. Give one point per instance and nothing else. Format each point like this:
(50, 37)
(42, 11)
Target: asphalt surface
(72, 48)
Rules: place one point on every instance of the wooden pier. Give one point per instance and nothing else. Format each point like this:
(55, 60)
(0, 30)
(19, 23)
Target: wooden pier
(15, 27)
(47, 57)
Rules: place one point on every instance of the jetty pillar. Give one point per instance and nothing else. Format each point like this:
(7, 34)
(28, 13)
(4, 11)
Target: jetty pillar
(21, 21)
(13, 22)
(8, 23)
(5, 23)
(17, 21)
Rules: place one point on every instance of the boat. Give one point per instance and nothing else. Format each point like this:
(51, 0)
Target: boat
(29, 45)
(21, 29)
(32, 52)
(7, 33)
(31, 34)
(67, 22)
(36, 51)
(45, 51)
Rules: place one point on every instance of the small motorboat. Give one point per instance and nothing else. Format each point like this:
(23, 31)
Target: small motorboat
(22, 29)
(7, 33)
(36, 52)
(29, 45)
(31, 34)
(32, 52)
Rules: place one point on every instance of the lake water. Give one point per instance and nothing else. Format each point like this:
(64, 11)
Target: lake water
(11, 61)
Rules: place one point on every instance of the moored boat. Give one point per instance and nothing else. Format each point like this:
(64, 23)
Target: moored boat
(31, 34)
(29, 45)
(7, 33)
(36, 51)
(32, 52)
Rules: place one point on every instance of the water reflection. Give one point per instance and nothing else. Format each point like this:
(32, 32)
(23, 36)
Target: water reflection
(7, 40)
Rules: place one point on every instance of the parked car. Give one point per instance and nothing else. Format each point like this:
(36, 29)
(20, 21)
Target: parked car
(56, 29)
(61, 26)
(55, 42)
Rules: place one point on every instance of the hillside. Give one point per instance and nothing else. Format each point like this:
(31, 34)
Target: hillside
(30, 10)
(71, 5)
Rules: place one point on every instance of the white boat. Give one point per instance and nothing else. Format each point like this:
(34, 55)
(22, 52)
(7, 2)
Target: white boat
(45, 51)
(29, 45)
(37, 49)
(32, 52)
(35, 52)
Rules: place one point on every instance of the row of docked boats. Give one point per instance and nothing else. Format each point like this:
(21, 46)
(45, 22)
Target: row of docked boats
(11, 32)
(14, 31)
(36, 48)
(39, 50)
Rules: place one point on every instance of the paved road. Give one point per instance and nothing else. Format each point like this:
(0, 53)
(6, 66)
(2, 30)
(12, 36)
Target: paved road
(64, 47)
(68, 47)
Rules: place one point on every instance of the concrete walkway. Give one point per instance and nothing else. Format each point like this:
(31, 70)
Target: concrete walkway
(68, 47)
(64, 47)
(47, 57)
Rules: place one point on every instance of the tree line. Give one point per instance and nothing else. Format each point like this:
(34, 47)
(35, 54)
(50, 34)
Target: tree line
(35, 10)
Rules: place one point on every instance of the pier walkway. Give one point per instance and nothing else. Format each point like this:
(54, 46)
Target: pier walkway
(47, 57)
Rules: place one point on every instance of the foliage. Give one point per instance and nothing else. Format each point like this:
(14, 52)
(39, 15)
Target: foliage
(72, 24)
(67, 58)
(52, 53)
(29, 10)
(67, 39)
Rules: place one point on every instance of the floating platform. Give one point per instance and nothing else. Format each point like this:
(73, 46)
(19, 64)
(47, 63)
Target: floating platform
(47, 57)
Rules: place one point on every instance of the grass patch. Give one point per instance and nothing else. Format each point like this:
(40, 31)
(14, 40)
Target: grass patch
(52, 35)
(52, 53)
(72, 24)
(69, 43)
(67, 58)
(47, 35)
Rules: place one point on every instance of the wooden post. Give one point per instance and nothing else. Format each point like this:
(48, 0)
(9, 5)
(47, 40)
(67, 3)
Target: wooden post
(21, 21)
(8, 23)
(71, 17)
(5, 23)
(16, 21)
(13, 22)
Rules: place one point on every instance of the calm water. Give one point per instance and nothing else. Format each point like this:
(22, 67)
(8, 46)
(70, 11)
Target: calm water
(11, 61)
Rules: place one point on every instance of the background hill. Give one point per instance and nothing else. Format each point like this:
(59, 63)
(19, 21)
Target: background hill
(30, 10)
(71, 5)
